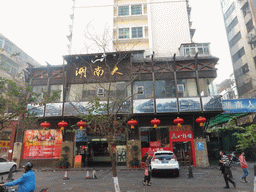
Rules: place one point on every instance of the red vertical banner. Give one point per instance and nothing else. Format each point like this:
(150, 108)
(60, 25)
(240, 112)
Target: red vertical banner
(42, 144)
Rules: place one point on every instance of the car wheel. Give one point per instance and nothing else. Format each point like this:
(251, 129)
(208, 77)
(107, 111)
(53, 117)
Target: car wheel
(13, 169)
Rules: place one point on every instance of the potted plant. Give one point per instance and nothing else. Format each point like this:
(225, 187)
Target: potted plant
(64, 163)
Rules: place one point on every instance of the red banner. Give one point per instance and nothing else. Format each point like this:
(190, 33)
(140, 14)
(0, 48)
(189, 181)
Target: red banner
(42, 144)
(155, 144)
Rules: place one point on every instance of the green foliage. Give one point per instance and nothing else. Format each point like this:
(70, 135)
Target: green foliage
(247, 139)
(134, 162)
(15, 98)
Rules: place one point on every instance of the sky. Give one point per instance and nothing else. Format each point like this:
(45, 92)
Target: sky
(40, 28)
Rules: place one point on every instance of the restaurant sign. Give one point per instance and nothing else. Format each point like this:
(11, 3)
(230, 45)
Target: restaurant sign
(42, 144)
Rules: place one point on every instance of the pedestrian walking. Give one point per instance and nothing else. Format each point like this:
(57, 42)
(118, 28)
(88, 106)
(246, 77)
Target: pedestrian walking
(225, 169)
(147, 173)
(244, 166)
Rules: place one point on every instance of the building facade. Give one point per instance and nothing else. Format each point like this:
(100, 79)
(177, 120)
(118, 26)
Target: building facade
(161, 87)
(239, 19)
(13, 64)
(125, 25)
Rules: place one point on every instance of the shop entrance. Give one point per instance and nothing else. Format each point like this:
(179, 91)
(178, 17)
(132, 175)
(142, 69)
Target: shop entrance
(183, 152)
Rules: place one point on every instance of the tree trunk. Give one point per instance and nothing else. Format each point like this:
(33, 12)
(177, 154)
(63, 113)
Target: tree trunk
(113, 164)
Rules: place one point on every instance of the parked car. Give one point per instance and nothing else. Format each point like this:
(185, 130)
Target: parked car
(163, 162)
(6, 166)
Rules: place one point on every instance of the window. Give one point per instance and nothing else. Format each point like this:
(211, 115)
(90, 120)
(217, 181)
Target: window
(242, 70)
(207, 88)
(123, 10)
(165, 88)
(100, 91)
(235, 39)
(245, 9)
(137, 32)
(238, 55)
(136, 9)
(232, 25)
(124, 33)
(57, 89)
(140, 90)
(249, 26)
(187, 88)
(229, 11)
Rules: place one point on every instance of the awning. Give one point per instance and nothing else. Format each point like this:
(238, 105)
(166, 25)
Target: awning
(223, 118)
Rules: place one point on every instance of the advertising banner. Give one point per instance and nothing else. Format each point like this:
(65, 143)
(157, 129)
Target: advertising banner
(4, 147)
(42, 144)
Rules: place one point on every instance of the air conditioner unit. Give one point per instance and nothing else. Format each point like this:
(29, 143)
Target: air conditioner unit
(148, 53)
(100, 91)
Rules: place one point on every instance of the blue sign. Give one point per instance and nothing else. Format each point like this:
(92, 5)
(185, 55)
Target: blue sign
(239, 105)
(200, 146)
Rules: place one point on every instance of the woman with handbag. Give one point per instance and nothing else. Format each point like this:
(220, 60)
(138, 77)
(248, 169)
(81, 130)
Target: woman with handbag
(147, 173)
(225, 169)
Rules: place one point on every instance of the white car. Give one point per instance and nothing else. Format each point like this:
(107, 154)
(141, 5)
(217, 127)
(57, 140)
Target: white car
(6, 166)
(165, 161)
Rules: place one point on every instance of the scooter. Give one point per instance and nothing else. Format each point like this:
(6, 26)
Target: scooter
(234, 159)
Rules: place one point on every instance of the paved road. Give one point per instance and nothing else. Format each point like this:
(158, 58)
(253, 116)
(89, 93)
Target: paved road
(204, 180)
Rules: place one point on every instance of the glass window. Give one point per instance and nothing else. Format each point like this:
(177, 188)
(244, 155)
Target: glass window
(229, 11)
(159, 136)
(232, 25)
(249, 26)
(165, 88)
(136, 10)
(147, 89)
(124, 33)
(186, 87)
(200, 51)
(40, 89)
(123, 10)
(235, 39)
(238, 55)
(137, 32)
(207, 87)
(59, 89)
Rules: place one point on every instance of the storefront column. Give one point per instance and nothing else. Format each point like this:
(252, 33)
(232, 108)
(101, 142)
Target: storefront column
(17, 151)
(201, 152)
(69, 152)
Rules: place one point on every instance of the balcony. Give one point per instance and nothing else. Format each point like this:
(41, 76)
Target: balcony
(190, 49)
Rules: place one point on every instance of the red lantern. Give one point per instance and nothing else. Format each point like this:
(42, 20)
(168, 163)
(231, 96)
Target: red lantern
(45, 125)
(132, 123)
(201, 120)
(178, 121)
(62, 125)
(81, 124)
(155, 122)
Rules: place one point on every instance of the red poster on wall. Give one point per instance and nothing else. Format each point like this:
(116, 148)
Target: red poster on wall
(42, 144)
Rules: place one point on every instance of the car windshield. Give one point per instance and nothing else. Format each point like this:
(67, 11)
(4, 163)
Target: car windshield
(164, 156)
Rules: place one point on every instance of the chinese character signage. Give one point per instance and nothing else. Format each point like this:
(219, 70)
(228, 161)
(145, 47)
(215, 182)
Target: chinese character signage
(155, 144)
(42, 144)
(181, 135)
(239, 105)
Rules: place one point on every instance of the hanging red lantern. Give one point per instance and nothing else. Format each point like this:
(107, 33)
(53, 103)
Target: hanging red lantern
(62, 125)
(155, 122)
(45, 125)
(132, 123)
(178, 121)
(201, 120)
(81, 124)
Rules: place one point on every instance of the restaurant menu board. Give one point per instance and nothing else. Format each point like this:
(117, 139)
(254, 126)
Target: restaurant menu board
(42, 144)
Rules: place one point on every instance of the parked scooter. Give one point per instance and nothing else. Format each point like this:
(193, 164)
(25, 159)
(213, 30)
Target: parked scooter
(234, 159)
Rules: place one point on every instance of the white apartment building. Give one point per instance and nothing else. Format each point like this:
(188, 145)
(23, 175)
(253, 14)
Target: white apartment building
(239, 19)
(152, 25)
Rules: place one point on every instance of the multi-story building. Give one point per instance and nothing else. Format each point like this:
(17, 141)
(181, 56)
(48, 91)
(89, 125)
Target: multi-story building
(239, 19)
(125, 25)
(227, 88)
(13, 62)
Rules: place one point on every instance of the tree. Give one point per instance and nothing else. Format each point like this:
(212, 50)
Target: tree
(246, 136)
(14, 99)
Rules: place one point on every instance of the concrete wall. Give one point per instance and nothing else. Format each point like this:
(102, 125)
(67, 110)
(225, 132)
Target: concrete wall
(202, 159)
(17, 151)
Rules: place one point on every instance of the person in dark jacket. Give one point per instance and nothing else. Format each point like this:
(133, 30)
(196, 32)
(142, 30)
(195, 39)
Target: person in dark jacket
(225, 169)
(27, 181)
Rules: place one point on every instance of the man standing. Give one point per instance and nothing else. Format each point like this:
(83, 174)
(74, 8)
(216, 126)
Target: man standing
(244, 167)
(225, 168)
